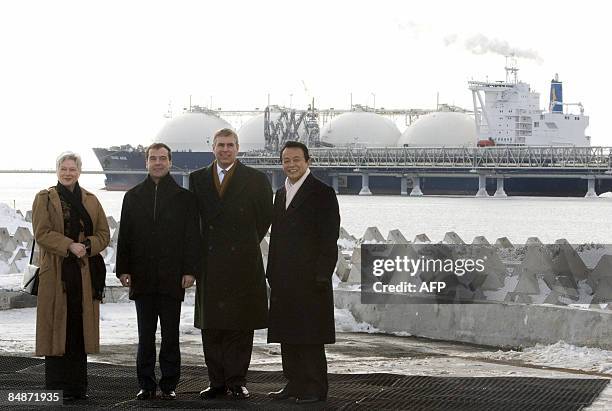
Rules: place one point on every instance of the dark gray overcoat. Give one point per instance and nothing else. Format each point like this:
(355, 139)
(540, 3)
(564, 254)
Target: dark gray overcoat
(301, 260)
(159, 241)
(231, 291)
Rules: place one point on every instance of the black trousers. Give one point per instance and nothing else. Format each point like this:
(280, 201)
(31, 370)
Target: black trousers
(69, 371)
(305, 367)
(227, 354)
(148, 309)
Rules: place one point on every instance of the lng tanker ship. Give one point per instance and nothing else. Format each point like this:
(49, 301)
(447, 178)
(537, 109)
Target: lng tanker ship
(505, 114)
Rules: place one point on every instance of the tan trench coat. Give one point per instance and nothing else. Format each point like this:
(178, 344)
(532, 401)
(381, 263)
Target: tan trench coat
(51, 310)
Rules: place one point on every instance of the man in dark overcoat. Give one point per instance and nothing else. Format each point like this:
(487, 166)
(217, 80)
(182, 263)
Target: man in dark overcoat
(301, 260)
(158, 257)
(235, 206)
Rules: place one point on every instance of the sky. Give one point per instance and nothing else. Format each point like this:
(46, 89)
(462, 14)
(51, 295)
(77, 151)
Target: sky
(81, 74)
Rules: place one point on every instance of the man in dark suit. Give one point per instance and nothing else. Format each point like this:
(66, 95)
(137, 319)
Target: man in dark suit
(158, 257)
(301, 261)
(235, 206)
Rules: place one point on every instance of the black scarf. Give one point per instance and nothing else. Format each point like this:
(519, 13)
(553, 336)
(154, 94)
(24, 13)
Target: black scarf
(78, 213)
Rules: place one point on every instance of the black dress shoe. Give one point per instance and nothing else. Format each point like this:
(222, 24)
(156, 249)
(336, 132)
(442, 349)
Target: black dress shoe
(213, 392)
(75, 397)
(240, 392)
(68, 398)
(145, 394)
(308, 399)
(168, 395)
(280, 395)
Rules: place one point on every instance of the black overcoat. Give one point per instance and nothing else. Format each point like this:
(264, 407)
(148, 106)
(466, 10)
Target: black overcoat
(301, 260)
(159, 240)
(231, 293)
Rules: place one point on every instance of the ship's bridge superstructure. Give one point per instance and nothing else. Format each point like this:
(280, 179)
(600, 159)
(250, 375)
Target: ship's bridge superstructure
(508, 113)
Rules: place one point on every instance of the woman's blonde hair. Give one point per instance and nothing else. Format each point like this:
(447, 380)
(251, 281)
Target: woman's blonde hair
(68, 155)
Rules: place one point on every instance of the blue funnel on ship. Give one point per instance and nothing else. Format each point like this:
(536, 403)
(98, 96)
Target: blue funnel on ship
(556, 95)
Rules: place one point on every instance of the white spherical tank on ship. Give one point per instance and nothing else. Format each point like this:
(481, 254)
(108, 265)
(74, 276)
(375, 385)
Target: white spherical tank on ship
(191, 131)
(441, 129)
(362, 129)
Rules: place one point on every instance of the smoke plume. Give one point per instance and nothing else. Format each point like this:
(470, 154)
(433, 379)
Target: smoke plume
(480, 44)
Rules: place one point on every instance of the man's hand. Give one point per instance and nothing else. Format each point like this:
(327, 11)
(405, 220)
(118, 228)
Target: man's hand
(78, 249)
(126, 280)
(188, 281)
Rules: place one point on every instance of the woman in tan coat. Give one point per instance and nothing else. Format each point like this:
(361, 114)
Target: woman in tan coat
(71, 230)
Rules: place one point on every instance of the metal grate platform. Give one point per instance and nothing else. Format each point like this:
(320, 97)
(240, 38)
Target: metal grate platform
(114, 387)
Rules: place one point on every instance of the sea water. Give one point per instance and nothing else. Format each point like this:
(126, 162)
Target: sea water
(579, 220)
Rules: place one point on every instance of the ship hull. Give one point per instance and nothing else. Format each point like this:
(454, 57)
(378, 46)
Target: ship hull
(113, 160)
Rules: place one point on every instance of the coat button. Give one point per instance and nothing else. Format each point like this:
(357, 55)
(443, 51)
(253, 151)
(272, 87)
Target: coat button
(233, 248)
(210, 248)
(210, 227)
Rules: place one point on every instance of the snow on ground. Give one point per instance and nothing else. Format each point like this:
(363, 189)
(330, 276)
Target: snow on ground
(118, 326)
(561, 355)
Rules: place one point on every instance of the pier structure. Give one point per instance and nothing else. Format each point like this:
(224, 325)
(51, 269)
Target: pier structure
(412, 164)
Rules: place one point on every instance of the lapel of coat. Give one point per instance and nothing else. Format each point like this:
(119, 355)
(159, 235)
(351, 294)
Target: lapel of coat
(237, 183)
(302, 194)
(211, 195)
(56, 204)
(144, 200)
(169, 189)
(279, 203)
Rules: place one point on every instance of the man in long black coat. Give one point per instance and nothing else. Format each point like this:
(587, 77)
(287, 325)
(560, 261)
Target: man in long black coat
(235, 205)
(301, 260)
(158, 257)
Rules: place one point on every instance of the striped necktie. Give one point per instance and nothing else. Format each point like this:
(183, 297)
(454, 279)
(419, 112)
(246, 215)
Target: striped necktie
(222, 175)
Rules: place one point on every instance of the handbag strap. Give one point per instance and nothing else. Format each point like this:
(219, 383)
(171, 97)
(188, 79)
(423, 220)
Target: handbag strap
(32, 253)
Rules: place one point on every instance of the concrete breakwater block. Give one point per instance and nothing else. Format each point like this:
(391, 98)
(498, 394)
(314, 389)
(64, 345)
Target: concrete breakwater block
(396, 237)
(567, 261)
(495, 272)
(5, 256)
(503, 242)
(343, 268)
(16, 299)
(345, 235)
(452, 237)
(521, 298)
(4, 235)
(114, 237)
(112, 223)
(421, 239)
(537, 260)
(355, 273)
(480, 240)
(564, 286)
(19, 254)
(23, 234)
(533, 241)
(372, 234)
(10, 245)
(396, 277)
(602, 269)
(603, 292)
(527, 284)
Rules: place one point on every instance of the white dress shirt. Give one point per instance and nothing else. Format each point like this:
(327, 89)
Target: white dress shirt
(292, 188)
(221, 172)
